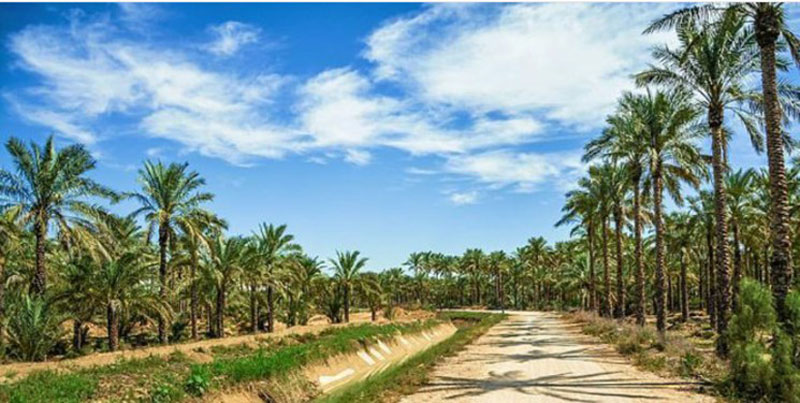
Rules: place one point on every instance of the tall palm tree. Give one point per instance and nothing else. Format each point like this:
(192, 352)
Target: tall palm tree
(273, 245)
(769, 26)
(49, 184)
(347, 267)
(713, 62)
(170, 199)
(672, 158)
(621, 141)
(614, 178)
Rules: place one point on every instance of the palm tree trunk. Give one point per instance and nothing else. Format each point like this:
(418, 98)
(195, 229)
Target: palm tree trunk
(39, 281)
(637, 231)
(711, 300)
(163, 239)
(723, 311)
(684, 290)
(660, 307)
(112, 326)
(2, 302)
(620, 307)
(220, 319)
(767, 30)
(346, 304)
(253, 309)
(606, 278)
(592, 281)
(270, 309)
(77, 339)
(193, 294)
(737, 263)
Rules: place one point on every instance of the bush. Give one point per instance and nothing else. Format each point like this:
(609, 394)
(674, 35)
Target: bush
(33, 329)
(752, 373)
(198, 381)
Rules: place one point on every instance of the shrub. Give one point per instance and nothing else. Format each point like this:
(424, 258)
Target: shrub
(33, 329)
(198, 381)
(751, 367)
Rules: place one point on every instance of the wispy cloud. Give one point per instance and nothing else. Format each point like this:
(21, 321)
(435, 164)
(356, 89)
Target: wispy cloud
(523, 171)
(567, 62)
(470, 84)
(231, 36)
(462, 198)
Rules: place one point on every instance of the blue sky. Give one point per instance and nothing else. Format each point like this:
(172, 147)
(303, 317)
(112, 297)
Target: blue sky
(387, 128)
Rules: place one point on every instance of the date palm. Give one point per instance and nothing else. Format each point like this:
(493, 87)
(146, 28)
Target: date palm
(670, 134)
(226, 258)
(347, 271)
(170, 198)
(740, 188)
(770, 30)
(49, 184)
(581, 207)
(273, 245)
(713, 61)
(621, 141)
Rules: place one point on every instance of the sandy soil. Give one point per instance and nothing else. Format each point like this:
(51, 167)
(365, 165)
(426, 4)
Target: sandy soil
(537, 357)
(15, 371)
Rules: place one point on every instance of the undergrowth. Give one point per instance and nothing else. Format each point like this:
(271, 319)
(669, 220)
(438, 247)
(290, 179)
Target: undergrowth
(177, 377)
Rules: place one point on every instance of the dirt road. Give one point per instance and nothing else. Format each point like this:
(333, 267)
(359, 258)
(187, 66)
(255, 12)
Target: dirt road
(537, 357)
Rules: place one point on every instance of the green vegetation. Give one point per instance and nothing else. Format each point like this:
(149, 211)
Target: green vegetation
(177, 377)
(412, 373)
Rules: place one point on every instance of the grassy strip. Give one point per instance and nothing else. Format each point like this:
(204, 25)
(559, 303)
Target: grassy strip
(407, 377)
(687, 351)
(177, 377)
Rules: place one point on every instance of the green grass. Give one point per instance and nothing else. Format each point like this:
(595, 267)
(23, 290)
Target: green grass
(176, 377)
(412, 373)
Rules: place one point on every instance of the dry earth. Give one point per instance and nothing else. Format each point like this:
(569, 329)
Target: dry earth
(537, 357)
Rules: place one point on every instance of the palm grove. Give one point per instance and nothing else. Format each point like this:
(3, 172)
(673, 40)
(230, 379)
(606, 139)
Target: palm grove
(168, 270)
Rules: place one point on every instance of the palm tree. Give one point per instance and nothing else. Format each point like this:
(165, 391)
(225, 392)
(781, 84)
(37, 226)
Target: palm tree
(769, 25)
(713, 62)
(679, 239)
(347, 267)
(122, 280)
(49, 184)
(621, 141)
(672, 158)
(170, 200)
(202, 226)
(615, 185)
(580, 206)
(9, 240)
(225, 260)
(739, 185)
(273, 245)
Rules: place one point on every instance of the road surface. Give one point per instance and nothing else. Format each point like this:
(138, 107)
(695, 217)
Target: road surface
(537, 357)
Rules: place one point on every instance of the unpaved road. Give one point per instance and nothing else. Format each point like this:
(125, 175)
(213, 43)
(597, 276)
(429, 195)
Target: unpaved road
(537, 357)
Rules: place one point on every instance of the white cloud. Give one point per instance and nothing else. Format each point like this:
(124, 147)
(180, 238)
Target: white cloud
(462, 198)
(232, 36)
(340, 109)
(568, 62)
(523, 171)
(357, 157)
(468, 84)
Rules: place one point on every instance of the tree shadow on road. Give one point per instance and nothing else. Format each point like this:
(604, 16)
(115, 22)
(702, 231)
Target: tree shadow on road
(564, 386)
